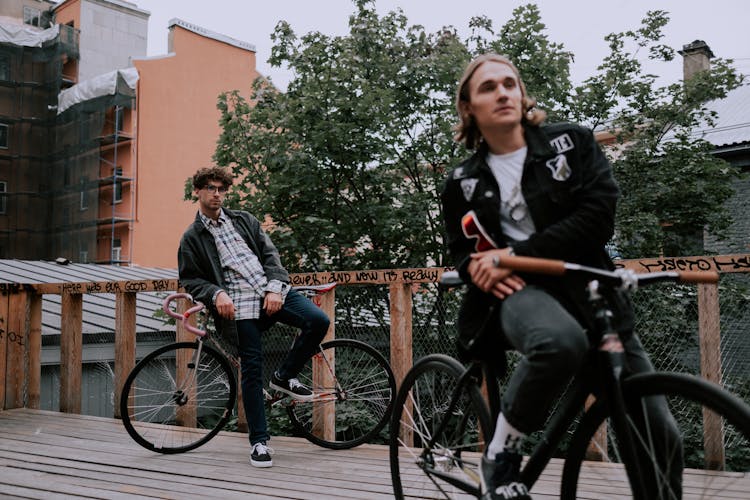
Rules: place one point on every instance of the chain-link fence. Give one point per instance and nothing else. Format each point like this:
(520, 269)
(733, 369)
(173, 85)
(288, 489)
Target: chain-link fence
(667, 323)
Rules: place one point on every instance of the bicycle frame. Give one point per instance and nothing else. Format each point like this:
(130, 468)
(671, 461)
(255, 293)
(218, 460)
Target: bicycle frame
(310, 292)
(604, 365)
(607, 362)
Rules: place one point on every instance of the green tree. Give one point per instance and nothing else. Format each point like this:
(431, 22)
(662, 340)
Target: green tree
(673, 187)
(349, 160)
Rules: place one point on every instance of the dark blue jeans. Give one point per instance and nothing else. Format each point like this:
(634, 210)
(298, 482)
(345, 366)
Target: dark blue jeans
(297, 311)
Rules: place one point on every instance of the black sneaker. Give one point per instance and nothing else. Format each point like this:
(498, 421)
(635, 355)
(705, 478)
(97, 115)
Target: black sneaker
(501, 478)
(260, 456)
(293, 387)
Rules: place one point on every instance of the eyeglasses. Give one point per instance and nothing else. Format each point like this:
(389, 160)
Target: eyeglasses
(212, 189)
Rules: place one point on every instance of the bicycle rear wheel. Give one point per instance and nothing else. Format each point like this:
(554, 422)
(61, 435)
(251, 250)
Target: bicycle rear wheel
(353, 391)
(436, 447)
(174, 401)
(692, 401)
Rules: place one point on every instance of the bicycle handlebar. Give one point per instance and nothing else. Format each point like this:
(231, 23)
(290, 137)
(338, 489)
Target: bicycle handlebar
(186, 315)
(618, 277)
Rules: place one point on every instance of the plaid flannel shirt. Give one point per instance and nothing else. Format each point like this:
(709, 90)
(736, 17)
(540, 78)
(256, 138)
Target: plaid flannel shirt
(246, 282)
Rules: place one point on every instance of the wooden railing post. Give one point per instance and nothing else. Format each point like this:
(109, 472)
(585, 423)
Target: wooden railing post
(125, 340)
(710, 348)
(18, 314)
(71, 327)
(4, 300)
(324, 414)
(34, 352)
(187, 415)
(401, 340)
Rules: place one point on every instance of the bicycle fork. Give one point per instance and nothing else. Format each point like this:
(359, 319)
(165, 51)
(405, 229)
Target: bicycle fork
(339, 391)
(183, 389)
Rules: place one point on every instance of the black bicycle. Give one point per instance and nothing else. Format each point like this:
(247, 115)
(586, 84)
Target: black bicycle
(181, 395)
(441, 419)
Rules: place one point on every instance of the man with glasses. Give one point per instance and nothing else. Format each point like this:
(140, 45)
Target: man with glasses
(229, 263)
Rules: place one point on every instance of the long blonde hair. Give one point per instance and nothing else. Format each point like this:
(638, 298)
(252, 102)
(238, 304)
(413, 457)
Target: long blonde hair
(467, 131)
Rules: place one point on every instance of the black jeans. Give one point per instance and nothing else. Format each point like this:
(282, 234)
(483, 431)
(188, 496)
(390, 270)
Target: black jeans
(297, 311)
(554, 345)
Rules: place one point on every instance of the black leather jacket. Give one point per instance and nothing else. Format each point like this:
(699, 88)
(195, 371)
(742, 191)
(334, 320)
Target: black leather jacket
(568, 185)
(200, 265)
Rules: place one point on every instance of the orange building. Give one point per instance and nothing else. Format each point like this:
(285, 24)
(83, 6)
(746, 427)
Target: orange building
(176, 131)
(127, 132)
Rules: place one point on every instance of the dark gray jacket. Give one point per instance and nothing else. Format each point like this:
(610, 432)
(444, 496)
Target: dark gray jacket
(200, 266)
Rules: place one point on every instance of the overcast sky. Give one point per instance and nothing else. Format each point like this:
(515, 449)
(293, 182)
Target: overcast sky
(580, 25)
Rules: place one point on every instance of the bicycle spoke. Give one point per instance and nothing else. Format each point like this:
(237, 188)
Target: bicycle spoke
(153, 395)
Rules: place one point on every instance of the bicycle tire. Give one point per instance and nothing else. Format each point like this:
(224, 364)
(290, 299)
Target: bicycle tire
(450, 467)
(154, 404)
(358, 408)
(687, 397)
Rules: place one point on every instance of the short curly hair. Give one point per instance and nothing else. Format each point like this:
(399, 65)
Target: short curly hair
(207, 174)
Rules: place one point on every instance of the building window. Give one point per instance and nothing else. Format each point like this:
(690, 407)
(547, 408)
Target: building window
(4, 135)
(84, 194)
(4, 67)
(32, 16)
(118, 192)
(116, 250)
(119, 118)
(3, 197)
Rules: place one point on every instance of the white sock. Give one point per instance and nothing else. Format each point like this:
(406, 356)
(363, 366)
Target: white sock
(506, 438)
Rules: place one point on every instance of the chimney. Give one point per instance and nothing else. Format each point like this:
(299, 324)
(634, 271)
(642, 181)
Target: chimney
(696, 57)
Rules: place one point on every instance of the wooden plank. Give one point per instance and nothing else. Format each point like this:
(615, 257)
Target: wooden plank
(71, 352)
(733, 263)
(369, 277)
(47, 454)
(125, 336)
(154, 285)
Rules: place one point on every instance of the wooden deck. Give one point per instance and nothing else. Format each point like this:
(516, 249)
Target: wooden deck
(58, 455)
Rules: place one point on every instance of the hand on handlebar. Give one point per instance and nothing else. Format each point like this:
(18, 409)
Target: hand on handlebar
(224, 305)
(491, 279)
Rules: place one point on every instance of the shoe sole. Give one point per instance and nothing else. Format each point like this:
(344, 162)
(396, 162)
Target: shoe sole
(297, 397)
(261, 465)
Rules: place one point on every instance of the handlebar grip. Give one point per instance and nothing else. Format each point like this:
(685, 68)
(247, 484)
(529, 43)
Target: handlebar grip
(169, 299)
(186, 315)
(532, 265)
(698, 276)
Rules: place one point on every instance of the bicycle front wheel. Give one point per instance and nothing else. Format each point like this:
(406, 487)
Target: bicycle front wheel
(438, 431)
(178, 397)
(353, 391)
(704, 453)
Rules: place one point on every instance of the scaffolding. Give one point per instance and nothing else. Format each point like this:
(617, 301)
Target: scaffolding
(93, 139)
(65, 158)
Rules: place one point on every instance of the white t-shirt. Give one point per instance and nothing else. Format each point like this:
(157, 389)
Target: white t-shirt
(515, 219)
